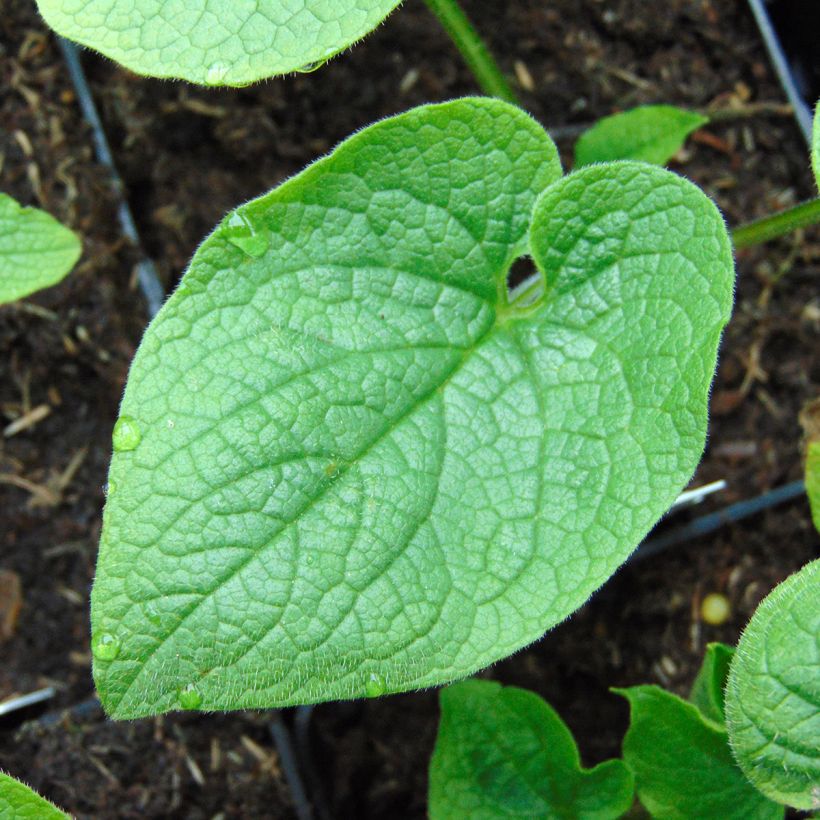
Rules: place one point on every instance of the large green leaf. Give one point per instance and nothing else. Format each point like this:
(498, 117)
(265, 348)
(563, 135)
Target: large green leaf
(773, 694)
(347, 464)
(503, 752)
(682, 762)
(651, 133)
(19, 802)
(216, 42)
(36, 251)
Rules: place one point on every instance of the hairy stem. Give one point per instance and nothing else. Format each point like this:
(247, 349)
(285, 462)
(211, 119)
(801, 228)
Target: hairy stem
(770, 227)
(472, 48)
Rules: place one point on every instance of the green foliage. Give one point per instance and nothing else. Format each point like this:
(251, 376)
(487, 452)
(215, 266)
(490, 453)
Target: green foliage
(357, 466)
(773, 694)
(216, 42)
(651, 133)
(36, 251)
(708, 689)
(682, 763)
(815, 145)
(19, 802)
(503, 752)
(813, 480)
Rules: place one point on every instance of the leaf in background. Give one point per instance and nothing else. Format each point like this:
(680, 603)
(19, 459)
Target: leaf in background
(504, 752)
(19, 802)
(810, 421)
(36, 251)
(682, 763)
(773, 694)
(216, 42)
(708, 689)
(815, 145)
(652, 133)
(348, 465)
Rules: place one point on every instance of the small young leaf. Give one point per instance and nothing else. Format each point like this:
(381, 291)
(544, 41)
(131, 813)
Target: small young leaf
(216, 42)
(19, 802)
(504, 752)
(708, 689)
(682, 763)
(813, 480)
(652, 133)
(773, 694)
(353, 467)
(36, 251)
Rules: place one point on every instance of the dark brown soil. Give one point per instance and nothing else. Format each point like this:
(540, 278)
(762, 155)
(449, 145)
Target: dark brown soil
(188, 155)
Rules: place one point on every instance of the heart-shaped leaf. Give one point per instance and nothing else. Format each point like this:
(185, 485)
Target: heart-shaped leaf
(504, 752)
(19, 802)
(773, 694)
(36, 251)
(682, 763)
(651, 133)
(348, 464)
(216, 42)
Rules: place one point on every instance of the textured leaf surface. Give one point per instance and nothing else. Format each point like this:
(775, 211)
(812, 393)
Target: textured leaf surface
(682, 763)
(708, 689)
(504, 752)
(652, 133)
(36, 251)
(348, 466)
(216, 42)
(773, 695)
(19, 802)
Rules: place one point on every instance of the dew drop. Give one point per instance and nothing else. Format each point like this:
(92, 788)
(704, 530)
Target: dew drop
(105, 646)
(109, 489)
(171, 424)
(189, 697)
(240, 232)
(216, 73)
(309, 68)
(152, 613)
(126, 434)
(332, 469)
(376, 685)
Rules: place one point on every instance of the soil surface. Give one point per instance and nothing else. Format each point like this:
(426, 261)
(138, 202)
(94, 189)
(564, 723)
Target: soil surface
(188, 155)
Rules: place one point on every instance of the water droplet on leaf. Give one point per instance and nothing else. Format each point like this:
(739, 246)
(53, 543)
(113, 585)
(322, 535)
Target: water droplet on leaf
(105, 646)
(216, 74)
(126, 434)
(309, 68)
(109, 489)
(152, 613)
(376, 685)
(189, 697)
(241, 233)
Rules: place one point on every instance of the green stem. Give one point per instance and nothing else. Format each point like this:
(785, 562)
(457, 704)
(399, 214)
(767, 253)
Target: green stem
(472, 48)
(770, 227)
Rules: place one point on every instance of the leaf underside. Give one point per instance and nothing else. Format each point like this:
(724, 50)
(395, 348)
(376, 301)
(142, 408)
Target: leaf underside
(708, 689)
(682, 763)
(359, 462)
(216, 42)
(36, 251)
(773, 694)
(19, 802)
(504, 752)
(651, 133)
